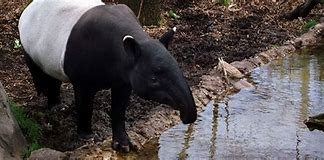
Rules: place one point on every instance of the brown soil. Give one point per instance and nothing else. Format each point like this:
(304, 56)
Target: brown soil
(206, 31)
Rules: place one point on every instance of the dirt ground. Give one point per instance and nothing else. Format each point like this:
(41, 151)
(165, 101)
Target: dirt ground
(206, 31)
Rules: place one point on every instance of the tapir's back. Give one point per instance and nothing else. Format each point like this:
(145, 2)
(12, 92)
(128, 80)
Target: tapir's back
(45, 26)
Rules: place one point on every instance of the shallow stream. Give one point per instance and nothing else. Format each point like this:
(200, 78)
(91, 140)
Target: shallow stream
(264, 122)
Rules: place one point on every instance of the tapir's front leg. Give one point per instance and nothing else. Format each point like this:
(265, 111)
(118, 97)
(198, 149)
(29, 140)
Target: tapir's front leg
(120, 99)
(84, 107)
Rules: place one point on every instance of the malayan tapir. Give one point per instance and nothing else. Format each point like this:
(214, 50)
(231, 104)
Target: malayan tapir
(96, 46)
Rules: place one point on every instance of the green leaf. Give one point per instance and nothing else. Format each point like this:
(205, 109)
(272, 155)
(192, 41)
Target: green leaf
(17, 44)
(173, 15)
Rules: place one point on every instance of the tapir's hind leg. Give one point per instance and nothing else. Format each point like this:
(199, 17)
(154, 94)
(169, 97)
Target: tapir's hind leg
(44, 83)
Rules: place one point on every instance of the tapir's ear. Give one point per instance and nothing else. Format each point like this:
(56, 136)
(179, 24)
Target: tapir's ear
(167, 37)
(131, 46)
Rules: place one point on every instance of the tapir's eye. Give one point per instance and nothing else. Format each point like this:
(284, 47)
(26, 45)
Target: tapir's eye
(154, 83)
(158, 71)
(154, 79)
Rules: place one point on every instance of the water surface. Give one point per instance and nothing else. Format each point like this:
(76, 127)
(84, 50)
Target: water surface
(264, 122)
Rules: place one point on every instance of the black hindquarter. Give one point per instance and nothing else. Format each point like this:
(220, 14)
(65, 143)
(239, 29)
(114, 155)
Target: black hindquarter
(44, 83)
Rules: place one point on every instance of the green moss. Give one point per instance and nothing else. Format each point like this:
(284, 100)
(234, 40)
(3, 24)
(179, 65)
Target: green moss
(274, 46)
(29, 127)
(30, 148)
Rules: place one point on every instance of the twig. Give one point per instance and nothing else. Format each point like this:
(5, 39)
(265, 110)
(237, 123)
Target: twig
(283, 2)
(232, 9)
(140, 9)
(221, 63)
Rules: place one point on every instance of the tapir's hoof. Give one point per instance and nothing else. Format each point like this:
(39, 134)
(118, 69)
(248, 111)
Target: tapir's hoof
(122, 148)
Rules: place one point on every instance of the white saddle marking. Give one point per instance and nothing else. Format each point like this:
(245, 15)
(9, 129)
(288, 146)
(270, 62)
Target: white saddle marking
(45, 26)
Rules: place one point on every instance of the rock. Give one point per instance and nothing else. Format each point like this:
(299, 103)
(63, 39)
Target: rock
(137, 140)
(48, 154)
(244, 66)
(315, 122)
(257, 61)
(319, 27)
(298, 43)
(12, 141)
(242, 83)
(265, 57)
(212, 83)
(308, 39)
(197, 102)
(202, 95)
(321, 20)
(311, 37)
(93, 152)
(228, 69)
(286, 49)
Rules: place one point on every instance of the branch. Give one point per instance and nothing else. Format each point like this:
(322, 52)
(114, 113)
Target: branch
(140, 10)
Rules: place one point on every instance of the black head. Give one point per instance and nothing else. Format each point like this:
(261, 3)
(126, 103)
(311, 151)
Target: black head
(156, 75)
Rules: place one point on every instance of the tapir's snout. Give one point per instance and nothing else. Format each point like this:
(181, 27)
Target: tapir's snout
(183, 101)
(188, 111)
(179, 99)
(187, 118)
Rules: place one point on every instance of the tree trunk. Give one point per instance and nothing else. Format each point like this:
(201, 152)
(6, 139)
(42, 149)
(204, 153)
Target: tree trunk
(302, 10)
(147, 11)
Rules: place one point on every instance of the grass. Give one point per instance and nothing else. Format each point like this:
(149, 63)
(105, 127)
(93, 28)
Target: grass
(310, 24)
(30, 148)
(29, 127)
(274, 46)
